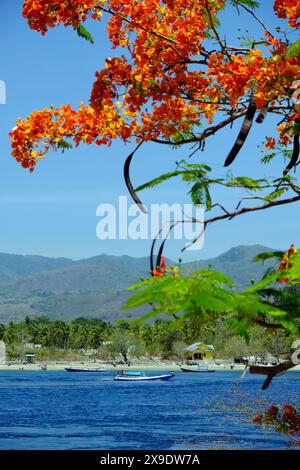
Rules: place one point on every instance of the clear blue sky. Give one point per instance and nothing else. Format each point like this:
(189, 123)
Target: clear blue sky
(52, 212)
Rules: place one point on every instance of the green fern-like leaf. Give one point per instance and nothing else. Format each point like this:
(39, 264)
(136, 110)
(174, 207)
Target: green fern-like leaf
(261, 257)
(83, 33)
(248, 3)
(205, 296)
(266, 281)
(159, 180)
(275, 194)
(63, 145)
(197, 194)
(208, 199)
(240, 326)
(191, 172)
(293, 50)
(247, 182)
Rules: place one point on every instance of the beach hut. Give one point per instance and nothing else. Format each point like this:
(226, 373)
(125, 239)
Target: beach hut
(30, 357)
(199, 351)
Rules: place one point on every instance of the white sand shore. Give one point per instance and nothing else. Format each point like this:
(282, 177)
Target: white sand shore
(135, 365)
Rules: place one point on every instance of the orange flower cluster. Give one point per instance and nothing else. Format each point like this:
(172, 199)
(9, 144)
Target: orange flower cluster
(164, 85)
(286, 264)
(47, 129)
(288, 9)
(286, 419)
(286, 133)
(235, 76)
(44, 14)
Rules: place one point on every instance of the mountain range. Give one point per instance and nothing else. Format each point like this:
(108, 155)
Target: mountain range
(97, 287)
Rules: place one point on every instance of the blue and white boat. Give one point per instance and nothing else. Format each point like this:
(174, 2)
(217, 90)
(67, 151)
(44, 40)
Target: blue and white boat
(137, 376)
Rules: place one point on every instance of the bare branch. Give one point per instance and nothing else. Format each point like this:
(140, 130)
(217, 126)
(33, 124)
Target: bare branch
(251, 12)
(248, 197)
(223, 48)
(221, 207)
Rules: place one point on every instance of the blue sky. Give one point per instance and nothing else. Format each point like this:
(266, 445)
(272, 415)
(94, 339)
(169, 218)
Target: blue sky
(52, 212)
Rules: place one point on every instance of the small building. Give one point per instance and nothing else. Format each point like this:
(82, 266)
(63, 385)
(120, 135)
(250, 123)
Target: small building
(199, 351)
(30, 357)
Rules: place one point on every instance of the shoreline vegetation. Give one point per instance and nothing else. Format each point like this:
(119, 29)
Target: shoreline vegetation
(39, 343)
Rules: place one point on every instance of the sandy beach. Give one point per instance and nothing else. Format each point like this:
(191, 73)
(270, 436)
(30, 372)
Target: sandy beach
(135, 365)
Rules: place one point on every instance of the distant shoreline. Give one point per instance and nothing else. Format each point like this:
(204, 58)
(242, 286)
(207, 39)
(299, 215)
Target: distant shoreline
(163, 365)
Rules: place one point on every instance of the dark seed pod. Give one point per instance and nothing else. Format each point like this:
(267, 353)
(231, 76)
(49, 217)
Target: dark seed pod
(296, 151)
(245, 129)
(262, 114)
(128, 180)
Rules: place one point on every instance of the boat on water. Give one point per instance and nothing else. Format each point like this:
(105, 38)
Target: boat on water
(84, 369)
(136, 376)
(196, 368)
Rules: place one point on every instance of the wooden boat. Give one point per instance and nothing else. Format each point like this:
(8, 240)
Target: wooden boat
(141, 377)
(197, 368)
(75, 369)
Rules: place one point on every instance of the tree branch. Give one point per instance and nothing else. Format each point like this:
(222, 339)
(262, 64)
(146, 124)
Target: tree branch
(251, 12)
(244, 210)
(223, 48)
(206, 133)
(136, 24)
(271, 372)
(212, 130)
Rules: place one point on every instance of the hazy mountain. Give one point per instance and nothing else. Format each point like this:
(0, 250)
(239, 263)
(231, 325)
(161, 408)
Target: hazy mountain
(102, 273)
(12, 266)
(96, 287)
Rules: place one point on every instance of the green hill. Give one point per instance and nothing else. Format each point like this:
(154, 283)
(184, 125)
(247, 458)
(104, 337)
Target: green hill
(12, 266)
(96, 287)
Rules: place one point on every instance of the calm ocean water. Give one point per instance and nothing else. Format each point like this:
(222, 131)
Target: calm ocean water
(59, 410)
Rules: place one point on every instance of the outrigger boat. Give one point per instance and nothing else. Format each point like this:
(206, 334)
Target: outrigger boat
(76, 369)
(197, 368)
(136, 376)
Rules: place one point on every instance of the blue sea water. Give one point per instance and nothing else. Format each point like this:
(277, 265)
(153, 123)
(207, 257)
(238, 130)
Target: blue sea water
(61, 410)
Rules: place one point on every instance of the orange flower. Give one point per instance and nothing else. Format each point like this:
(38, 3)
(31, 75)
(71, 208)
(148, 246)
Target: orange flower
(285, 264)
(270, 143)
(160, 270)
